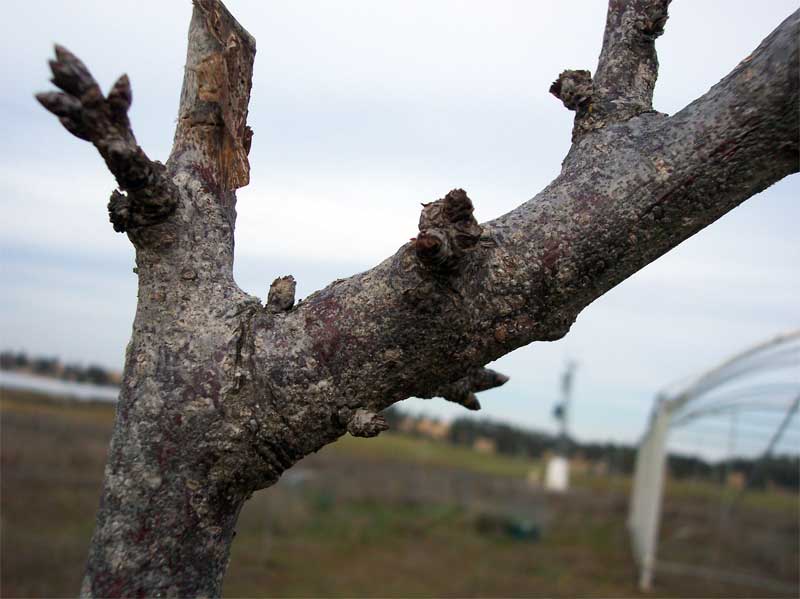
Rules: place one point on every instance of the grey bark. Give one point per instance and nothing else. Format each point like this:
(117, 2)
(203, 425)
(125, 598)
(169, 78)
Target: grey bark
(221, 394)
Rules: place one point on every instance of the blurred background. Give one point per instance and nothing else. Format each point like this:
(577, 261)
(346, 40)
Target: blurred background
(362, 110)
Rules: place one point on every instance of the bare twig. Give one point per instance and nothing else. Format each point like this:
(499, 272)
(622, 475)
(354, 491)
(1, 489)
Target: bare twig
(150, 196)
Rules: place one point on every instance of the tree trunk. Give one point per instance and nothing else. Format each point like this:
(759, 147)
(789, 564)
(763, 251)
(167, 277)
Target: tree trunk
(221, 394)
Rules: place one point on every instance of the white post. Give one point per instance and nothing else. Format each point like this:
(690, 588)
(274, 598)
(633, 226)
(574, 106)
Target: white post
(557, 474)
(654, 466)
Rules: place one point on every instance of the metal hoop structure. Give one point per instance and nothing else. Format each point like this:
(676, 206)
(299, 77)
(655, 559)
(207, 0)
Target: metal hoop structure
(763, 378)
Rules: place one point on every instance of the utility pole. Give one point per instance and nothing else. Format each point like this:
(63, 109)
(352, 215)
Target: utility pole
(557, 474)
(561, 411)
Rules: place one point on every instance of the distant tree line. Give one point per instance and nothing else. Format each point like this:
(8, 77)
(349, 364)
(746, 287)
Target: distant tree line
(52, 367)
(507, 439)
(518, 441)
(779, 470)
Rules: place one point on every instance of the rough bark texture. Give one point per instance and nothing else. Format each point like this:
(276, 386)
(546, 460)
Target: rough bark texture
(222, 394)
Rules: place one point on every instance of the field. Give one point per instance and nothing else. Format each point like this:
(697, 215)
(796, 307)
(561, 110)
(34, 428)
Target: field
(390, 517)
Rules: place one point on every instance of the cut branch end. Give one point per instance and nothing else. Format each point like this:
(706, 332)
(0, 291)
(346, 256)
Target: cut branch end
(573, 88)
(281, 294)
(212, 121)
(365, 423)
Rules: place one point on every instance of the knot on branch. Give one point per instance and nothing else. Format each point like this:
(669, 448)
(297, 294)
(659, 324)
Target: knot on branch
(87, 114)
(573, 88)
(650, 20)
(364, 423)
(464, 389)
(141, 208)
(447, 231)
(281, 294)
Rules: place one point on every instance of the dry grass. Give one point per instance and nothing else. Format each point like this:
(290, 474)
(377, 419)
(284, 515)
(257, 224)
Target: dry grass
(390, 517)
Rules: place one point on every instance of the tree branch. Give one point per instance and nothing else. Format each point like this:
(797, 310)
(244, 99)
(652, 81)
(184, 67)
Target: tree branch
(626, 72)
(628, 193)
(464, 389)
(628, 66)
(212, 132)
(150, 196)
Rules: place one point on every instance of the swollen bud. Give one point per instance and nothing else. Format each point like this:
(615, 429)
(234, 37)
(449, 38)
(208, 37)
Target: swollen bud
(120, 97)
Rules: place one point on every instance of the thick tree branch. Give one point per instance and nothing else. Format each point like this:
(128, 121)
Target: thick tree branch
(212, 132)
(180, 463)
(150, 196)
(628, 193)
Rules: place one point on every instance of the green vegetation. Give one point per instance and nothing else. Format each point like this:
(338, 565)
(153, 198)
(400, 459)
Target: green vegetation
(426, 452)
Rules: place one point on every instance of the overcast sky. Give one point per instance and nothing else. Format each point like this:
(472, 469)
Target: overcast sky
(361, 110)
